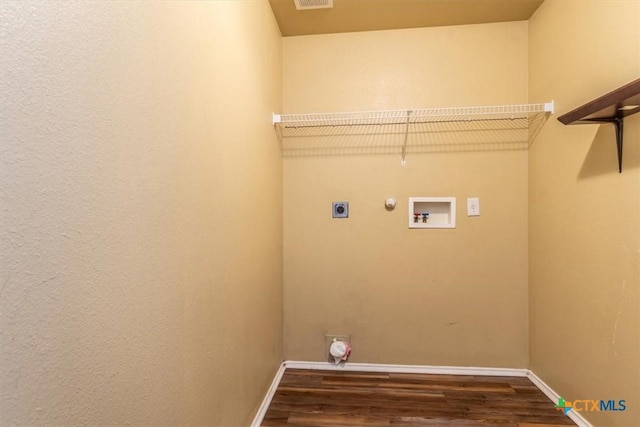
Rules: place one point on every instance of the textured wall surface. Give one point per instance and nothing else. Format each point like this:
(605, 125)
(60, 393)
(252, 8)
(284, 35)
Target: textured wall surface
(442, 297)
(585, 217)
(140, 212)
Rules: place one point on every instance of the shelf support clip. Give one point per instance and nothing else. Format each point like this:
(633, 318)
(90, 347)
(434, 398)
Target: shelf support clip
(406, 136)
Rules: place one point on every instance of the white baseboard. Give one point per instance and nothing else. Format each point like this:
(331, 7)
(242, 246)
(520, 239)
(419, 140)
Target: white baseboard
(553, 396)
(407, 369)
(411, 369)
(262, 410)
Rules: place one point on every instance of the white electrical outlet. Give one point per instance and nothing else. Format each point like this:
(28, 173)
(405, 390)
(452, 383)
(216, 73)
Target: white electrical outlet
(473, 206)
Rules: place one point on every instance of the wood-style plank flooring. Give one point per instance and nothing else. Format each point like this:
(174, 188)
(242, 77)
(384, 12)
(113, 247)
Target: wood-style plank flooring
(330, 398)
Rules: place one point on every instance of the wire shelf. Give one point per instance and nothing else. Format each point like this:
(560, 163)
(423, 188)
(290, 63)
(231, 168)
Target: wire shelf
(415, 116)
(412, 130)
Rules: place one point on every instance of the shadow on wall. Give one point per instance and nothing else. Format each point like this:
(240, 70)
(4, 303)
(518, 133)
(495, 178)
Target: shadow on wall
(441, 137)
(602, 157)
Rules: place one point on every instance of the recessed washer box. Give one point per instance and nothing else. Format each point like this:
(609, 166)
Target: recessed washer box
(432, 212)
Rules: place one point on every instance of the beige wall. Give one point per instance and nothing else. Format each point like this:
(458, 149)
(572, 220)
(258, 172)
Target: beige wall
(131, 294)
(584, 241)
(141, 213)
(442, 297)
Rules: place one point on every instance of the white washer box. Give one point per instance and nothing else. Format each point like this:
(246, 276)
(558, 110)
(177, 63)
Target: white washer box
(441, 210)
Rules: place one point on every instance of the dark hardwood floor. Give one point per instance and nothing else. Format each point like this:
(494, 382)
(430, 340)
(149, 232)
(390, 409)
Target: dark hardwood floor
(329, 398)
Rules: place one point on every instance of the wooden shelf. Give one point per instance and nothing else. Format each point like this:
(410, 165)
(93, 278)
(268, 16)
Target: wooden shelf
(607, 106)
(612, 107)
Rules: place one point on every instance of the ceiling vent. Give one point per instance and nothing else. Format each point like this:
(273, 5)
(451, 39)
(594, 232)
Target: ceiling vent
(313, 4)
